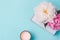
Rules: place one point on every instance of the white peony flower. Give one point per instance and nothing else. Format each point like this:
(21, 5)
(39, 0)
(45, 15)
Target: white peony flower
(45, 12)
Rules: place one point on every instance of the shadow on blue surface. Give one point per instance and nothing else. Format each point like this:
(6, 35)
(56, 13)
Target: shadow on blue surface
(32, 36)
(57, 33)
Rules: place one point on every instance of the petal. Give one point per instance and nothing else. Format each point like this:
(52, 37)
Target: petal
(50, 25)
(55, 20)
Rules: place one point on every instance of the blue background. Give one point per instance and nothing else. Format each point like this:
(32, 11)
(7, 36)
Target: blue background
(15, 16)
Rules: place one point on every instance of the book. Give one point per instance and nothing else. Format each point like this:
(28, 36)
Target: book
(47, 28)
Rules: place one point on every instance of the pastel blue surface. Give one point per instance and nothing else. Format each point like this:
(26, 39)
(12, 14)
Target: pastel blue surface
(15, 16)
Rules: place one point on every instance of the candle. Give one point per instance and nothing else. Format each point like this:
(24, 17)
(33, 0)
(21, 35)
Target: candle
(25, 35)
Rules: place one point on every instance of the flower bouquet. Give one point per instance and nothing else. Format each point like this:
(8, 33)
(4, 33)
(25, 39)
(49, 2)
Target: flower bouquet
(47, 16)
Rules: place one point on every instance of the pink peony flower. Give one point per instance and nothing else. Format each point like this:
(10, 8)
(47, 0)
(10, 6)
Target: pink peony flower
(56, 23)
